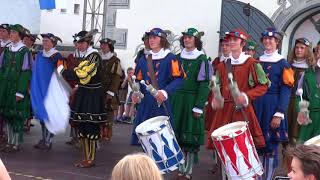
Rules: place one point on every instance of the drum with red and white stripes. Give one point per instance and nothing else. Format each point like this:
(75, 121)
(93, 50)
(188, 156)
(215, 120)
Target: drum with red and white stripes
(237, 152)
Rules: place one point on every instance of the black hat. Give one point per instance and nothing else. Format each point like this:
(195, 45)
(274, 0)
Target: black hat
(84, 36)
(33, 37)
(157, 32)
(5, 26)
(304, 41)
(144, 37)
(107, 41)
(52, 37)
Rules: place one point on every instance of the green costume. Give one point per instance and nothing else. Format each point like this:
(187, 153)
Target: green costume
(190, 99)
(311, 92)
(15, 75)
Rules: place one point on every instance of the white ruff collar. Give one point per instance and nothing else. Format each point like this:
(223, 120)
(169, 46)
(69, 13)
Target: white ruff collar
(242, 59)
(318, 63)
(50, 52)
(5, 43)
(224, 58)
(16, 47)
(106, 56)
(194, 54)
(87, 52)
(300, 64)
(272, 57)
(160, 55)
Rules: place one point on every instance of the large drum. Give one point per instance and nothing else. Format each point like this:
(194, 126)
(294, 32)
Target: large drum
(313, 141)
(237, 152)
(159, 142)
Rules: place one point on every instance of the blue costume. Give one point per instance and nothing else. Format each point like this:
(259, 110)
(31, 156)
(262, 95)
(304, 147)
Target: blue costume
(274, 104)
(169, 74)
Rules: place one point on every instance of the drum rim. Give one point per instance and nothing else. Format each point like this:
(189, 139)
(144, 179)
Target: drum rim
(313, 141)
(140, 130)
(215, 135)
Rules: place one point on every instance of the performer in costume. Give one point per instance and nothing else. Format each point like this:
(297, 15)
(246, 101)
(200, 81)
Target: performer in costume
(225, 53)
(301, 58)
(250, 48)
(271, 108)
(252, 83)
(146, 49)
(4, 42)
(111, 74)
(43, 68)
(168, 73)
(87, 110)
(189, 100)
(15, 75)
(310, 83)
(70, 63)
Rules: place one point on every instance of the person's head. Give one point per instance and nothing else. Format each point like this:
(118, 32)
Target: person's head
(17, 32)
(130, 71)
(157, 39)
(305, 163)
(107, 45)
(225, 46)
(317, 51)
(191, 39)
(237, 39)
(83, 40)
(136, 166)
(49, 41)
(4, 32)
(251, 48)
(271, 40)
(145, 40)
(302, 51)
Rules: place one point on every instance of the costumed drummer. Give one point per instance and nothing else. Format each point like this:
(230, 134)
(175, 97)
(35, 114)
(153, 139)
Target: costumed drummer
(271, 108)
(237, 104)
(164, 73)
(189, 100)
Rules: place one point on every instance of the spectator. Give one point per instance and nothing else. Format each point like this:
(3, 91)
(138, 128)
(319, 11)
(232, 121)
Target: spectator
(305, 163)
(136, 167)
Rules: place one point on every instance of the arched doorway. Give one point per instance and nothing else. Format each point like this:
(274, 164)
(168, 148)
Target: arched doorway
(300, 19)
(233, 16)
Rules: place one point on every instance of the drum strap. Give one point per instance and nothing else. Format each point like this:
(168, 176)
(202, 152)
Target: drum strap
(229, 70)
(154, 81)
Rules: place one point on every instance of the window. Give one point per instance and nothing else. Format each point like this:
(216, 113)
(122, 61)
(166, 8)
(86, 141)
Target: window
(76, 9)
(64, 11)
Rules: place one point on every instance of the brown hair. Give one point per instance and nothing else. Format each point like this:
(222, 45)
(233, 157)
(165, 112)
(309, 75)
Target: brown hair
(311, 61)
(136, 167)
(164, 43)
(197, 42)
(309, 156)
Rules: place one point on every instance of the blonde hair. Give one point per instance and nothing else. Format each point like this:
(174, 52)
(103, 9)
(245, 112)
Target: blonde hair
(310, 59)
(136, 167)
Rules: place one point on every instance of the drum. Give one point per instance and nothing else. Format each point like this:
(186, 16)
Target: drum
(159, 142)
(313, 141)
(235, 147)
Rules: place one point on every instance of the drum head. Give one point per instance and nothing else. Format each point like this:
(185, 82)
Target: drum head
(230, 129)
(152, 125)
(313, 141)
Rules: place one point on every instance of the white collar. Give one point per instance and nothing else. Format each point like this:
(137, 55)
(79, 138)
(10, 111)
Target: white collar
(14, 47)
(160, 55)
(107, 56)
(318, 63)
(194, 54)
(300, 64)
(224, 58)
(242, 59)
(272, 57)
(146, 51)
(49, 53)
(87, 52)
(5, 43)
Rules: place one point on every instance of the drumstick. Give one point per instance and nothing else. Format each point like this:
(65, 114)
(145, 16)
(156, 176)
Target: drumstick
(300, 92)
(151, 89)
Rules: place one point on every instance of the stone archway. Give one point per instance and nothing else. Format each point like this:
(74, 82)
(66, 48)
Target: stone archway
(290, 15)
